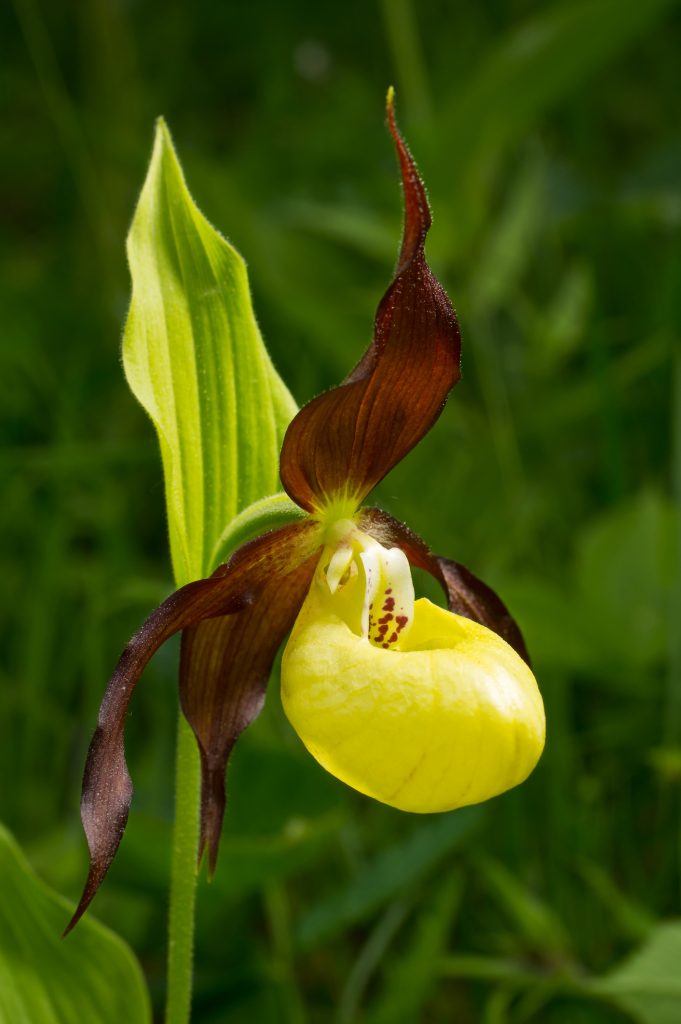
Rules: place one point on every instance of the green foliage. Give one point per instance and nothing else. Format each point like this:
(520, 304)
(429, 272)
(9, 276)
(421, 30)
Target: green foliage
(194, 357)
(648, 984)
(627, 562)
(535, 66)
(548, 136)
(44, 979)
(411, 976)
(386, 876)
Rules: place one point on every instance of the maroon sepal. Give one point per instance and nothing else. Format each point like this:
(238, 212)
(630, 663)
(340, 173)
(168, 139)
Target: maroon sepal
(466, 594)
(233, 588)
(224, 670)
(346, 440)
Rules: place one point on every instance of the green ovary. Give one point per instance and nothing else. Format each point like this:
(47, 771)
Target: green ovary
(451, 717)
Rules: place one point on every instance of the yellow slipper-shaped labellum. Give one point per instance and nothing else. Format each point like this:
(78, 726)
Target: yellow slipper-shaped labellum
(413, 705)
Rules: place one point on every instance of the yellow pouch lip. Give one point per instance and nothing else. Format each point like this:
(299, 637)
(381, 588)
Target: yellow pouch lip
(453, 718)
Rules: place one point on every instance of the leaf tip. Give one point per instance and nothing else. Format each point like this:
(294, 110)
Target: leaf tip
(162, 136)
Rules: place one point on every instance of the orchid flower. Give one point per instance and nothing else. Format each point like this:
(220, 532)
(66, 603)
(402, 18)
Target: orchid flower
(422, 708)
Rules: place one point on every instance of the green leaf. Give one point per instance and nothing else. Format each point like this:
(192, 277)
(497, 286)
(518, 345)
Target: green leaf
(90, 976)
(194, 357)
(648, 984)
(267, 514)
(626, 564)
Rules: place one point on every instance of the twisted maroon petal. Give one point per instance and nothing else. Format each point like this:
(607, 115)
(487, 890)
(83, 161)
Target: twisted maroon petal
(466, 594)
(224, 670)
(346, 440)
(233, 588)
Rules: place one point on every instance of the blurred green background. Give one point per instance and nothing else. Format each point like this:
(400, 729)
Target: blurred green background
(548, 135)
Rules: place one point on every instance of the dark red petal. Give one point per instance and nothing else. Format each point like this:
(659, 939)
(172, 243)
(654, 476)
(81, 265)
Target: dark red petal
(107, 789)
(346, 440)
(225, 667)
(466, 594)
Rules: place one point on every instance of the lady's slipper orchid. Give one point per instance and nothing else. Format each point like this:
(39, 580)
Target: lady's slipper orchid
(419, 707)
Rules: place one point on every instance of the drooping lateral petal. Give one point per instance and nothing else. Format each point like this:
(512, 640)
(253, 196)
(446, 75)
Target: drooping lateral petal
(107, 788)
(224, 670)
(466, 594)
(346, 440)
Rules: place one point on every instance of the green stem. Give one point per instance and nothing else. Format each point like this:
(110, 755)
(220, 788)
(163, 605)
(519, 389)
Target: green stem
(262, 515)
(184, 874)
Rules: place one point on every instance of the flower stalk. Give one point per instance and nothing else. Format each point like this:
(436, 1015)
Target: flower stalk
(183, 876)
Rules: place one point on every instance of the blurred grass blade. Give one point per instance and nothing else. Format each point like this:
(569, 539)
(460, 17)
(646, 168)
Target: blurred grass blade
(634, 920)
(540, 62)
(560, 327)
(370, 957)
(412, 976)
(508, 247)
(387, 875)
(194, 357)
(91, 976)
(536, 922)
(534, 66)
(648, 984)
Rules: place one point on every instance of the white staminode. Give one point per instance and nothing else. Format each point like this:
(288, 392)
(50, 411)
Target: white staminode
(388, 610)
(362, 570)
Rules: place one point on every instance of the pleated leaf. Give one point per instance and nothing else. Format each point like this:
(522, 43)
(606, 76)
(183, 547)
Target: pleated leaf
(195, 359)
(90, 976)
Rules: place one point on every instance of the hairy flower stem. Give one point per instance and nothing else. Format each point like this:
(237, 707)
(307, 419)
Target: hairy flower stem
(184, 874)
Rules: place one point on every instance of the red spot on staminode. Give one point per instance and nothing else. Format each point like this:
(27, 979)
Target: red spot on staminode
(383, 628)
(386, 618)
(389, 604)
(392, 639)
(401, 622)
(386, 646)
(389, 590)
